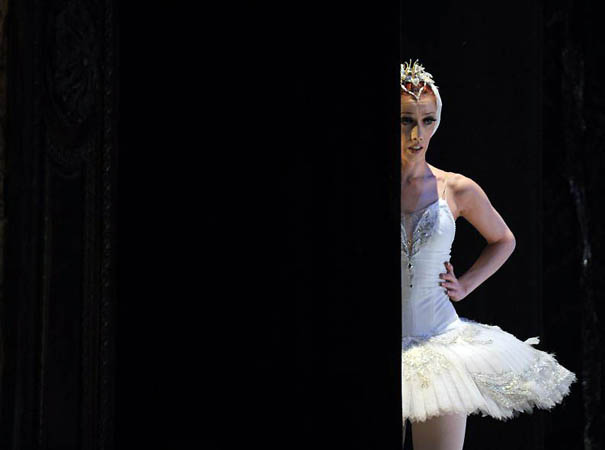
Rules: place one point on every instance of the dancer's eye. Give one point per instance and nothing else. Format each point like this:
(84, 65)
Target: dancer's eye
(427, 120)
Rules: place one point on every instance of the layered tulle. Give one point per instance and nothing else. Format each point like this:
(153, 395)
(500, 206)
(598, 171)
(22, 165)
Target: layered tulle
(475, 368)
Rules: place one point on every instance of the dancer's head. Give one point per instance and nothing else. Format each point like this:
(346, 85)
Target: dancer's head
(420, 109)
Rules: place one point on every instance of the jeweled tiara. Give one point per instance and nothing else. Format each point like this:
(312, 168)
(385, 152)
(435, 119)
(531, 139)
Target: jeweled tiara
(415, 74)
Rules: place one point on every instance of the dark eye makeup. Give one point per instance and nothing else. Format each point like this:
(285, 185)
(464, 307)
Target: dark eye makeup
(427, 120)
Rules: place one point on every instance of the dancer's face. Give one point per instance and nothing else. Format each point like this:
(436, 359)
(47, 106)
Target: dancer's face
(417, 123)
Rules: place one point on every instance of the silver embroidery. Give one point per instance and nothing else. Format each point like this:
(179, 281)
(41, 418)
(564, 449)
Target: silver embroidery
(518, 390)
(422, 363)
(424, 229)
(509, 389)
(467, 333)
(421, 233)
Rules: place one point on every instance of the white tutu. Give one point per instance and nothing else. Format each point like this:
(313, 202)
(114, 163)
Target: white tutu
(455, 365)
(475, 368)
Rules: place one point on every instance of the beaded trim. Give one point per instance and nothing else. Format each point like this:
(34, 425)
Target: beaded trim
(422, 363)
(543, 383)
(421, 232)
(466, 332)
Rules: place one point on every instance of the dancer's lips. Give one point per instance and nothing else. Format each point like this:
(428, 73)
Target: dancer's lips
(415, 148)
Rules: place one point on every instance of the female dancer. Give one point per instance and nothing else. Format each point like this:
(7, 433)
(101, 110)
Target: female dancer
(453, 366)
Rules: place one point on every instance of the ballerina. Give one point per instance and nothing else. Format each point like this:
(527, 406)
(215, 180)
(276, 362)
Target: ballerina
(453, 366)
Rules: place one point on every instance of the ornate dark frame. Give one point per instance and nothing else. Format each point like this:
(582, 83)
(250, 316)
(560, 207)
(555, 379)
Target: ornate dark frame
(58, 315)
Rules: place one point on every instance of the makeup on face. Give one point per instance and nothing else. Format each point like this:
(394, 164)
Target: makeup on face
(417, 120)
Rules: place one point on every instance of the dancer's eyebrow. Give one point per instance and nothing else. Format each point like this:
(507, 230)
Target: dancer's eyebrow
(426, 114)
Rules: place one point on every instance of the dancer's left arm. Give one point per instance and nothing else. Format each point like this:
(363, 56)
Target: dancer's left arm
(473, 204)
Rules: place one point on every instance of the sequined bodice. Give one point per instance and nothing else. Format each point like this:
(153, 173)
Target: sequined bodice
(409, 222)
(426, 239)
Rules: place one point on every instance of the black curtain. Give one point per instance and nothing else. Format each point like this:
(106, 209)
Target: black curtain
(259, 215)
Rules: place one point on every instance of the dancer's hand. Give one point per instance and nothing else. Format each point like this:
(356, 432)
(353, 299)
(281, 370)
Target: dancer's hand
(453, 287)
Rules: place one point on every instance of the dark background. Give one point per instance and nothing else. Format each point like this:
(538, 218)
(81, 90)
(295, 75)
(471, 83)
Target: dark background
(259, 290)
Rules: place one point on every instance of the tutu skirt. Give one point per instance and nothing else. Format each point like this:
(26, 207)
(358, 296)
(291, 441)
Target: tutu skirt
(475, 368)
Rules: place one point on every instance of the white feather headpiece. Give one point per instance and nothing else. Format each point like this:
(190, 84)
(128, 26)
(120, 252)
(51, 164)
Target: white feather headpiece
(419, 78)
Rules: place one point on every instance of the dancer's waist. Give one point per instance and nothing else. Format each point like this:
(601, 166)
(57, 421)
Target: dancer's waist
(427, 318)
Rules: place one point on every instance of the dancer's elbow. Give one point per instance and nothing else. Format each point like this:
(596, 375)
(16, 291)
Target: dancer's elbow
(510, 241)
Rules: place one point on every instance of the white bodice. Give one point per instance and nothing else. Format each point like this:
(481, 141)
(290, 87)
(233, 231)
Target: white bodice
(427, 310)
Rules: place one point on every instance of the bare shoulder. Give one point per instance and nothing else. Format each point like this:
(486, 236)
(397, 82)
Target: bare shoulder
(465, 190)
(461, 190)
(473, 204)
(468, 196)
(455, 185)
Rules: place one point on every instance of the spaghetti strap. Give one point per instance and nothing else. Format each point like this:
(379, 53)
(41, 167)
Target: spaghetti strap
(444, 184)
